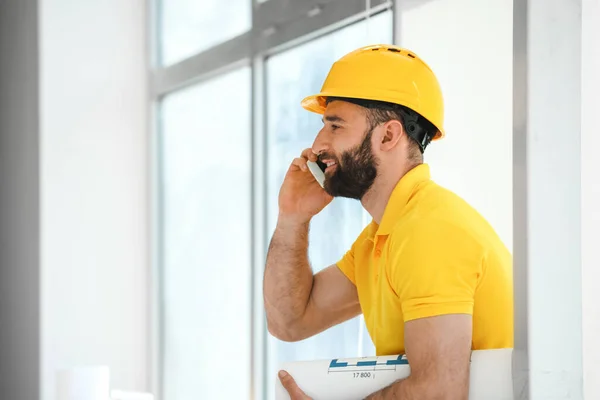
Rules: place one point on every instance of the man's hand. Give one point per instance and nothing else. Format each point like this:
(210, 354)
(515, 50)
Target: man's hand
(438, 350)
(301, 197)
(292, 388)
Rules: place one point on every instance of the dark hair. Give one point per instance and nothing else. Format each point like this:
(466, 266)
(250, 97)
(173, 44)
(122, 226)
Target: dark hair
(418, 128)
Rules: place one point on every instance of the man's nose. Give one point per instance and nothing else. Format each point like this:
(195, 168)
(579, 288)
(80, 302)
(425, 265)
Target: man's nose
(321, 144)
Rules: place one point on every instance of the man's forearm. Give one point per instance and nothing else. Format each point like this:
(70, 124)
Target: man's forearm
(405, 389)
(412, 388)
(288, 277)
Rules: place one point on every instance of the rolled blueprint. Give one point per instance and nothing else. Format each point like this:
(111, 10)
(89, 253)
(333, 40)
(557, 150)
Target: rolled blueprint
(356, 378)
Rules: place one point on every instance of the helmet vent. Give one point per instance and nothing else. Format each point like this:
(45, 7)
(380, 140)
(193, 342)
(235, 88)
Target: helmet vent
(375, 49)
(411, 55)
(394, 50)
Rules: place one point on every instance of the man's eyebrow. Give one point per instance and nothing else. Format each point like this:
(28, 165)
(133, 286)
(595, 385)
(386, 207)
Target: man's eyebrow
(332, 118)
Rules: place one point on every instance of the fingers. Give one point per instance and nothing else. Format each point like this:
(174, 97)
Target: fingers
(309, 155)
(300, 163)
(292, 388)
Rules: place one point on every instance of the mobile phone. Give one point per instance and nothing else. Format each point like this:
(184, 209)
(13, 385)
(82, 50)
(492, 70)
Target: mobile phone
(318, 171)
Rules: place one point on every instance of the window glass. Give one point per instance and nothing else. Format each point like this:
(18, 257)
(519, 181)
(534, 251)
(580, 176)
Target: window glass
(188, 27)
(206, 236)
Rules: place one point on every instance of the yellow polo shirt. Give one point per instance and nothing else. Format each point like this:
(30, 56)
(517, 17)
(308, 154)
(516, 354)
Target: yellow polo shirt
(432, 254)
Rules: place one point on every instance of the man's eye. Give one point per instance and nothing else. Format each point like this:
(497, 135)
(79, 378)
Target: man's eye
(334, 127)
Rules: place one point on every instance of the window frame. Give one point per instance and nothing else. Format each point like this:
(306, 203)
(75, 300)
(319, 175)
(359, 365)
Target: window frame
(277, 26)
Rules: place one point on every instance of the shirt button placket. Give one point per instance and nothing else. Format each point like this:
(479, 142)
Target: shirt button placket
(376, 292)
(377, 257)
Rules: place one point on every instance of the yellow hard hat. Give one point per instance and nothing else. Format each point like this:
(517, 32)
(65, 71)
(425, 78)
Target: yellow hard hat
(385, 73)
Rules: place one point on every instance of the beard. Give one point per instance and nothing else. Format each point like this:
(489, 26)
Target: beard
(355, 174)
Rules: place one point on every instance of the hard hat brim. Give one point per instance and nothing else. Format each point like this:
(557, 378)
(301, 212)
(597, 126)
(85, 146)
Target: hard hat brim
(314, 103)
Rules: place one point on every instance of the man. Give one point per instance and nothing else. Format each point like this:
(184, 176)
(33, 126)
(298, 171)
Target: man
(430, 275)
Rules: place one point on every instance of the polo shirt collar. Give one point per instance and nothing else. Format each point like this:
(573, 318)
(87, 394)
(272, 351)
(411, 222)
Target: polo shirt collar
(401, 194)
(372, 230)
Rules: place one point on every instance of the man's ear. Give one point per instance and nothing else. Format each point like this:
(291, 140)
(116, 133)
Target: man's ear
(392, 134)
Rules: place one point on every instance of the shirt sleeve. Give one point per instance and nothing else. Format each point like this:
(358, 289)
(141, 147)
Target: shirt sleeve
(435, 270)
(346, 264)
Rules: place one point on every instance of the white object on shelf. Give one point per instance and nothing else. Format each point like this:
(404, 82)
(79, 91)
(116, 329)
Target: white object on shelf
(123, 395)
(356, 378)
(83, 383)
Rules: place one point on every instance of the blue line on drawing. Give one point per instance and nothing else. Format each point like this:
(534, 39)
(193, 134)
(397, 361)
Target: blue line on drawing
(398, 361)
(335, 364)
(366, 363)
(401, 360)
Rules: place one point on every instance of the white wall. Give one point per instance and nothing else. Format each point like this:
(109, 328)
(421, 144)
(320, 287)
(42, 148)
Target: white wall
(94, 202)
(468, 44)
(590, 196)
(553, 206)
(19, 205)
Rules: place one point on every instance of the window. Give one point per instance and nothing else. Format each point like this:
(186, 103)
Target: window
(206, 266)
(291, 76)
(190, 26)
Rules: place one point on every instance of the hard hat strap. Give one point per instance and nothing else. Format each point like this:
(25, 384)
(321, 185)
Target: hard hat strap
(415, 130)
